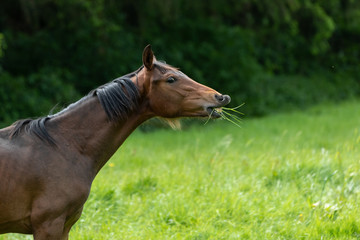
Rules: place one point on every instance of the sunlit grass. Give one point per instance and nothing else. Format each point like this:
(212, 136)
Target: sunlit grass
(287, 176)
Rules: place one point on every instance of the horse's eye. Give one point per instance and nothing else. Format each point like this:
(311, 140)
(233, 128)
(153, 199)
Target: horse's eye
(171, 80)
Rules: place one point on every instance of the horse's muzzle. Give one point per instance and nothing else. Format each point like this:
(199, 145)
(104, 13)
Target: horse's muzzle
(214, 111)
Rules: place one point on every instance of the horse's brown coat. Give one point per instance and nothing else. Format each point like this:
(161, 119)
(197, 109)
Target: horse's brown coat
(43, 187)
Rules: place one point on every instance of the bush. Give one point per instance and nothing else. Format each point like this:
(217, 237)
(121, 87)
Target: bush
(271, 94)
(34, 95)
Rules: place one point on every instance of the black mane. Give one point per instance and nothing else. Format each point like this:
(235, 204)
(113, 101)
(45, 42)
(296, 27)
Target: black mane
(33, 126)
(118, 98)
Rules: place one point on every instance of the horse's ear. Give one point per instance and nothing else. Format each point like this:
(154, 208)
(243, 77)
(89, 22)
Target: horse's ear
(148, 57)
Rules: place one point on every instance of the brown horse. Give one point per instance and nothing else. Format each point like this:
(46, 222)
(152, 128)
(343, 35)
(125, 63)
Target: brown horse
(47, 165)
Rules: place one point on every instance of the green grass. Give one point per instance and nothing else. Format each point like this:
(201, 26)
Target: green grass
(287, 176)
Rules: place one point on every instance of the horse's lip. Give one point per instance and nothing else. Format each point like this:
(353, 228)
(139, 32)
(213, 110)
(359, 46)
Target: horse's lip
(213, 113)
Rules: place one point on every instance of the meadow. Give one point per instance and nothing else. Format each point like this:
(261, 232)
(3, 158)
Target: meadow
(286, 176)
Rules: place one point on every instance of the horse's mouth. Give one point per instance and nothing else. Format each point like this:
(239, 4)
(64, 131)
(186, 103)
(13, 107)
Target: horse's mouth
(214, 112)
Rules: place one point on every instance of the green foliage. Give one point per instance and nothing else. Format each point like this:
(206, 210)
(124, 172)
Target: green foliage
(2, 45)
(268, 54)
(33, 95)
(271, 94)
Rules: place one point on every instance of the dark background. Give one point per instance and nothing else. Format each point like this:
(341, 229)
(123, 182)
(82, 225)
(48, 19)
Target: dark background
(274, 55)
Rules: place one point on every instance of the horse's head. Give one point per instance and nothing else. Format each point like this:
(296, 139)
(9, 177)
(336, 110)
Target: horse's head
(171, 93)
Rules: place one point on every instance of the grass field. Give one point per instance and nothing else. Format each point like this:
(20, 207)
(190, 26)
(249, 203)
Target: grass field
(287, 176)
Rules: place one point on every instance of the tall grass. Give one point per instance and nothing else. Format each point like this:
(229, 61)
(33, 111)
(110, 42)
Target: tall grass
(287, 176)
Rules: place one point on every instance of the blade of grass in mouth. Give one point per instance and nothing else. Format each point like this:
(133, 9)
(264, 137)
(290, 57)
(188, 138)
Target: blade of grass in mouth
(231, 118)
(228, 114)
(209, 116)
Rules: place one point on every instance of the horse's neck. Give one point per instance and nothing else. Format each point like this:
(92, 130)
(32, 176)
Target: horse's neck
(86, 129)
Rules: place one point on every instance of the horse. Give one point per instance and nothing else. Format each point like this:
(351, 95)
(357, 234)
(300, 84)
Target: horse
(47, 165)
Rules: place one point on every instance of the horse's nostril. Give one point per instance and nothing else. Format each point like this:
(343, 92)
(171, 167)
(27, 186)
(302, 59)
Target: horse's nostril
(220, 98)
(223, 99)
